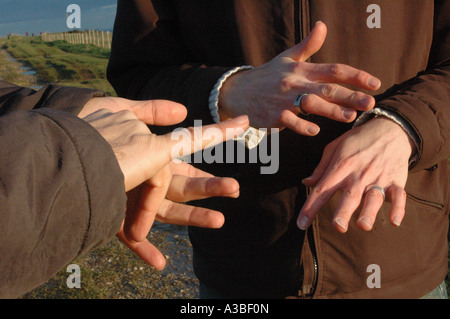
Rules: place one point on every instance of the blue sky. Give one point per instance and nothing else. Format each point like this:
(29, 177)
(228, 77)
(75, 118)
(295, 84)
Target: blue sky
(34, 16)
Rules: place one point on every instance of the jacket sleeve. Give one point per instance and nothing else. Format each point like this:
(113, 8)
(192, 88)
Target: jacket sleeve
(68, 99)
(149, 60)
(61, 188)
(423, 101)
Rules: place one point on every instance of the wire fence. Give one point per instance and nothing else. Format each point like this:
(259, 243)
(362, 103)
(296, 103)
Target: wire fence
(98, 38)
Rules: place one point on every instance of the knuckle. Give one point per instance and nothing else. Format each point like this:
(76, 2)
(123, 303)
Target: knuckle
(285, 117)
(297, 67)
(320, 191)
(345, 164)
(327, 148)
(337, 70)
(166, 208)
(126, 114)
(403, 194)
(355, 97)
(352, 193)
(328, 90)
(361, 77)
(193, 133)
(399, 193)
(287, 83)
(139, 126)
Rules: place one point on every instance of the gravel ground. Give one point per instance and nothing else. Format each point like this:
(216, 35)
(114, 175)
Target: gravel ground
(114, 272)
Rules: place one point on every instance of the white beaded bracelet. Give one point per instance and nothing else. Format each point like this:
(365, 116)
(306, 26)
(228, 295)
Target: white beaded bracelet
(251, 137)
(214, 96)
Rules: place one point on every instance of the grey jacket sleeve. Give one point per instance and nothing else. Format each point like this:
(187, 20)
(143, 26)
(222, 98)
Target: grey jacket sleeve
(61, 191)
(68, 99)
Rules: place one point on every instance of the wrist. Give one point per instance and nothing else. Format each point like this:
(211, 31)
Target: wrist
(396, 131)
(380, 112)
(219, 100)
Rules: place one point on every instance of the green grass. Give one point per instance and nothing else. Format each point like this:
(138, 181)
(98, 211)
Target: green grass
(61, 63)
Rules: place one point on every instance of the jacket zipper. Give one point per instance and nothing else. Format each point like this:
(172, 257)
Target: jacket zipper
(311, 289)
(312, 247)
(299, 7)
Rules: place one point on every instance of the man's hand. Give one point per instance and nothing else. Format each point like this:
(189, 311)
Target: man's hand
(267, 93)
(376, 153)
(152, 181)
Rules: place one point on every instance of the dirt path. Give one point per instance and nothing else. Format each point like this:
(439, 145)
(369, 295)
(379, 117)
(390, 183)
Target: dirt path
(16, 72)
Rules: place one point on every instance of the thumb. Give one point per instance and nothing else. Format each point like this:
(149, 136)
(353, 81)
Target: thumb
(158, 112)
(322, 167)
(310, 45)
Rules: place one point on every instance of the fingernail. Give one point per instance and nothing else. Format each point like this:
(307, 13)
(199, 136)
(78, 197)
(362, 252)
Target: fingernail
(340, 222)
(366, 221)
(307, 180)
(374, 83)
(397, 220)
(313, 130)
(348, 114)
(242, 119)
(303, 223)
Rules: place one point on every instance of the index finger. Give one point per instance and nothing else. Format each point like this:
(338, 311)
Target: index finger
(186, 141)
(341, 73)
(319, 195)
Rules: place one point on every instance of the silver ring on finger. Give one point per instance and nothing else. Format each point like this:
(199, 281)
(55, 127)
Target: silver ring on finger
(378, 188)
(298, 103)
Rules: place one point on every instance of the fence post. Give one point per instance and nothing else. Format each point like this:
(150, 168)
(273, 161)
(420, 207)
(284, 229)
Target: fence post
(102, 39)
(109, 41)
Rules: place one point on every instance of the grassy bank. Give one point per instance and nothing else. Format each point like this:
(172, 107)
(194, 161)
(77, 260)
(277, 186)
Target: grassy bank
(58, 62)
(11, 71)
